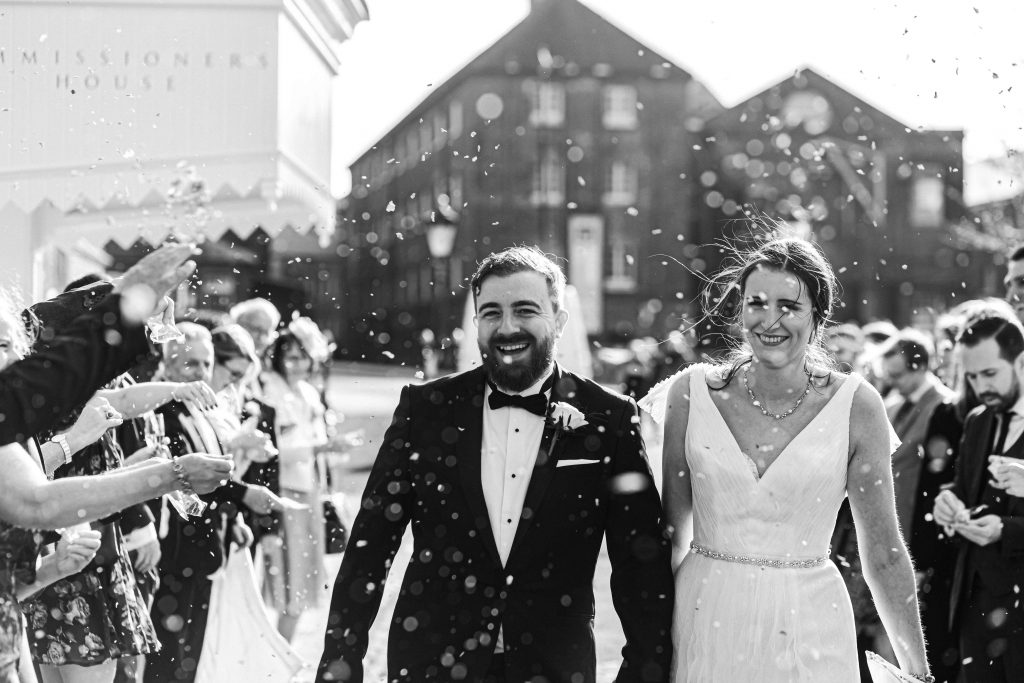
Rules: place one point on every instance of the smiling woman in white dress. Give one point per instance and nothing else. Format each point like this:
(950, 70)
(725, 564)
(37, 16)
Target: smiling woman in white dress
(761, 450)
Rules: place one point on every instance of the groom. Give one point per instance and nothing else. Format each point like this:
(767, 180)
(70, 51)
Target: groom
(509, 495)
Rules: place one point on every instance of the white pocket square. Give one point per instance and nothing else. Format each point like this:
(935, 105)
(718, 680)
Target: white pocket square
(573, 463)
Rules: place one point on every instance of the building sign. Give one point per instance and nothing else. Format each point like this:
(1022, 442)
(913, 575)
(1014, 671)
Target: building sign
(111, 85)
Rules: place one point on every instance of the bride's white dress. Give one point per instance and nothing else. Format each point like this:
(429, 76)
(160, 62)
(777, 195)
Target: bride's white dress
(756, 597)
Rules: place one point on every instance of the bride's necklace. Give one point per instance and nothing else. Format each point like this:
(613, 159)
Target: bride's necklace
(760, 404)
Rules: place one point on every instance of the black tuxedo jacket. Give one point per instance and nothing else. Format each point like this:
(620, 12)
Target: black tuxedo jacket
(67, 365)
(999, 566)
(456, 593)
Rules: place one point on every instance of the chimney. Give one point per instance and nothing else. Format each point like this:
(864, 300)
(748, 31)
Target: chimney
(536, 4)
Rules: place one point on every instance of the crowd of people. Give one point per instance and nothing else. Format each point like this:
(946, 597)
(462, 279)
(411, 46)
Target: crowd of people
(849, 489)
(959, 525)
(143, 455)
(855, 496)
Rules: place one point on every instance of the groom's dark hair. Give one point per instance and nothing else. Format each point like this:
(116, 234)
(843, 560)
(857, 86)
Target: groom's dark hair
(521, 260)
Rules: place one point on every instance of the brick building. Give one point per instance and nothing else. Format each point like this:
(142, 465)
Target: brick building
(566, 133)
(884, 201)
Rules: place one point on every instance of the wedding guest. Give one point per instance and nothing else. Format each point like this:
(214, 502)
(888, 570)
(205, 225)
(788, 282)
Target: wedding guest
(988, 523)
(934, 560)
(235, 363)
(83, 351)
(260, 318)
(30, 500)
(1014, 281)
(846, 343)
(301, 428)
(192, 550)
(81, 625)
(906, 364)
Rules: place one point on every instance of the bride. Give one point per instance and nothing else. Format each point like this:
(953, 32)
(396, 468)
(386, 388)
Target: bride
(761, 450)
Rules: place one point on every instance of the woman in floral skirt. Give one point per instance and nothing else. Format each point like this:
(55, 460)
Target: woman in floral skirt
(79, 626)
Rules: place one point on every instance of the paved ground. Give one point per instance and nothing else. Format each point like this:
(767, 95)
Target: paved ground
(367, 395)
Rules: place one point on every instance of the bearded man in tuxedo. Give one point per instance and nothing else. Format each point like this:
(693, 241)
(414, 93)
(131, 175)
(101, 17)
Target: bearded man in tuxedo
(510, 474)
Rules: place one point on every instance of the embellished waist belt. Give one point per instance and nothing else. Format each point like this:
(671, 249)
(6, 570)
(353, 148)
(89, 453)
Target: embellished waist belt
(758, 561)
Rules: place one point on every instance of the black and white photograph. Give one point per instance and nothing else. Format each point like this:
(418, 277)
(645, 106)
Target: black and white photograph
(511, 341)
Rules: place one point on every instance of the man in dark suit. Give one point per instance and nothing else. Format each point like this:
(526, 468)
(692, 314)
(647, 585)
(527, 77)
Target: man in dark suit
(985, 601)
(905, 365)
(193, 549)
(509, 495)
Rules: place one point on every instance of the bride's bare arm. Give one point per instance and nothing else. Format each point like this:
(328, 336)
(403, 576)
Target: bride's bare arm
(676, 490)
(884, 557)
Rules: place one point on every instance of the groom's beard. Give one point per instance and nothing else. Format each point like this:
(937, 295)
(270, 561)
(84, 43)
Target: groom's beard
(519, 374)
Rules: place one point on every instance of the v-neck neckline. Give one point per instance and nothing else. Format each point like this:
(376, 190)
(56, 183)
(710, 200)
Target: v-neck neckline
(751, 465)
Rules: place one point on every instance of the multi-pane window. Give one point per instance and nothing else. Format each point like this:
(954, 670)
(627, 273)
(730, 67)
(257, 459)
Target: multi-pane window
(455, 190)
(455, 119)
(547, 104)
(621, 245)
(426, 141)
(400, 150)
(619, 107)
(412, 144)
(440, 126)
(620, 183)
(548, 179)
(927, 200)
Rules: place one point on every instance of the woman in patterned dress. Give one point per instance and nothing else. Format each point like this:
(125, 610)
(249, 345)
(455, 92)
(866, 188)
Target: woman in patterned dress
(81, 624)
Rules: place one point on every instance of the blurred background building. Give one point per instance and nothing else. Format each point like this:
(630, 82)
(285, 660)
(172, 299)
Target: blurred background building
(882, 199)
(566, 132)
(570, 134)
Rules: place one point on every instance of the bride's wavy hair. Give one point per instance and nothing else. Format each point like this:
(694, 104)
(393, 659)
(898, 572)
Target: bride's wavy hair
(722, 300)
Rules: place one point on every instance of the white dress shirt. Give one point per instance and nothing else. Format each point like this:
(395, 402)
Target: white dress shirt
(508, 452)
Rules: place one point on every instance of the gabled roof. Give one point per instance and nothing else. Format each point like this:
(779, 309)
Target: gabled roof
(806, 78)
(576, 33)
(568, 32)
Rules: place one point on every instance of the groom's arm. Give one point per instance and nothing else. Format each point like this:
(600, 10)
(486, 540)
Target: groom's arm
(373, 543)
(640, 554)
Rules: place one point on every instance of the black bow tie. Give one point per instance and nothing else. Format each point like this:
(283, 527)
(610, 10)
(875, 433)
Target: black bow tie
(534, 403)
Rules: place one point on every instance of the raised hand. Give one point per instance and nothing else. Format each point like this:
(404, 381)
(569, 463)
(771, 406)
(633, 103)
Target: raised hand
(253, 444)
(206, 472)
(198, 393)
(156, 275)
(75, 550)
(97, 417)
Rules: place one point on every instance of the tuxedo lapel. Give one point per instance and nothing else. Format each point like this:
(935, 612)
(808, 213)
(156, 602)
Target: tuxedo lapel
(468, 411)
